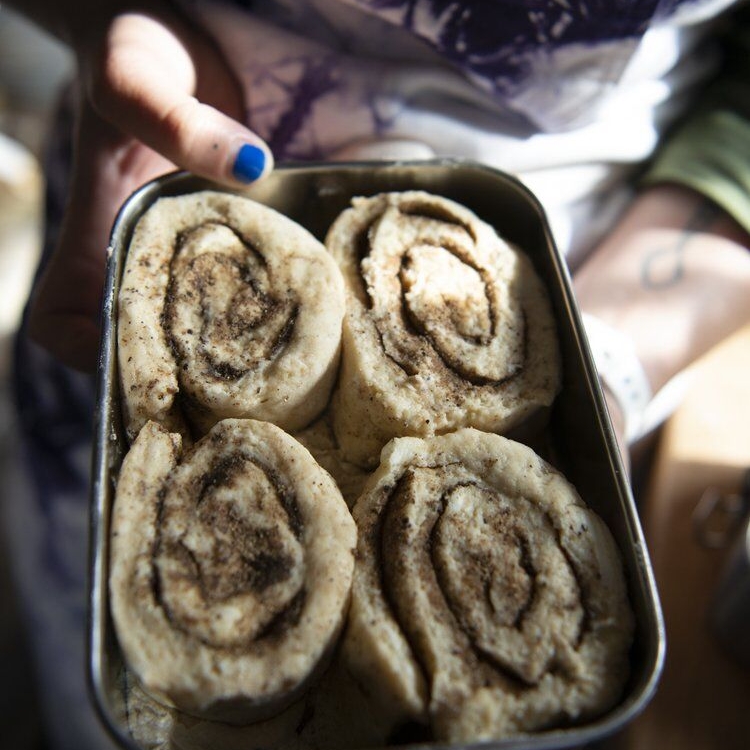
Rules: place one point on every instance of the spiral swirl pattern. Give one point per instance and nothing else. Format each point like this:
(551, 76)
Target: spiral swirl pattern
(487, 600)
(226, 309)
(231, 567)
(446, 326)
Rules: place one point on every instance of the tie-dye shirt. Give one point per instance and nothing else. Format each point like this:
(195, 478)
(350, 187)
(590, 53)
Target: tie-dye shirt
(549, 61)
(567, 94)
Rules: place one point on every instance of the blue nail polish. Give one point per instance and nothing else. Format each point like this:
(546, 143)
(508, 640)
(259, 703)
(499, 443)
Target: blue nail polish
(248, 165)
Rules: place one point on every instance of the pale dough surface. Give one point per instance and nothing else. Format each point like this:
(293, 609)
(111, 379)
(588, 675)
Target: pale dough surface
(231, 567)
(227, 308)
(447, 325)
(320, 440)
(488, 600)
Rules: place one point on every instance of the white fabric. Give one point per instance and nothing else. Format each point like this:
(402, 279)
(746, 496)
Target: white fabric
(573, 130)
(621, 371)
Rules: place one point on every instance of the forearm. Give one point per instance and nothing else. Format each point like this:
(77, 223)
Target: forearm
(674, 276)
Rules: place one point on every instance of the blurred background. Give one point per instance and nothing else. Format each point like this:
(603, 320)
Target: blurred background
(33, 67)
(703, 698)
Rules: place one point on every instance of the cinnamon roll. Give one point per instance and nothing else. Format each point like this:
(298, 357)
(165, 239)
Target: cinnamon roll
(226, 309)
(447, 325)
(230, 570)
(488, 600)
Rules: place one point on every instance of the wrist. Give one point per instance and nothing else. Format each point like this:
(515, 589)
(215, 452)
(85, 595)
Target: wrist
(621, 374)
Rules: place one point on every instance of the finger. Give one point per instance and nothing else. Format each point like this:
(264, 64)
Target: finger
(65, 309)
(146, 85)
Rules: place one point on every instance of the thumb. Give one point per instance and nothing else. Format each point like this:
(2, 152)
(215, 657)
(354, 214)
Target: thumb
(168, 86)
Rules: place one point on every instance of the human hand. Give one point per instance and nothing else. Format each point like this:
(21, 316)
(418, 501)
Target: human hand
(154, 95)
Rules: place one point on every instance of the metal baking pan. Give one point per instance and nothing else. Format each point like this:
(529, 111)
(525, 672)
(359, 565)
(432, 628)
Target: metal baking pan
(579, 430)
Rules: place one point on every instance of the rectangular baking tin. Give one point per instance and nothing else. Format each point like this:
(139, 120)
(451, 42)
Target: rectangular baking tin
(580, 430)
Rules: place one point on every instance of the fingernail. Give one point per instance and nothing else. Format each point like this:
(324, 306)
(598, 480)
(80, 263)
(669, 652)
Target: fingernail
(249, 164)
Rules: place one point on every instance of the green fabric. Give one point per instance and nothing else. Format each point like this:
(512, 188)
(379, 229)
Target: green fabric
(710, 154)
(710, 151)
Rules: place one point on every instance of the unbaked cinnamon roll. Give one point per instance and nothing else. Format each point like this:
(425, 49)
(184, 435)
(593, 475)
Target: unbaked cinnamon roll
(226, 309)
(488, 600)
(447, 325)
(230, 569)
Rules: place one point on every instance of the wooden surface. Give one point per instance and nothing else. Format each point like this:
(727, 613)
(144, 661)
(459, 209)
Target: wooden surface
(703, 700)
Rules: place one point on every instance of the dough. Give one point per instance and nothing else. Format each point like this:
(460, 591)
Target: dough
(230, 569)
(488, 600)
(447, 325)
(226, 309)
